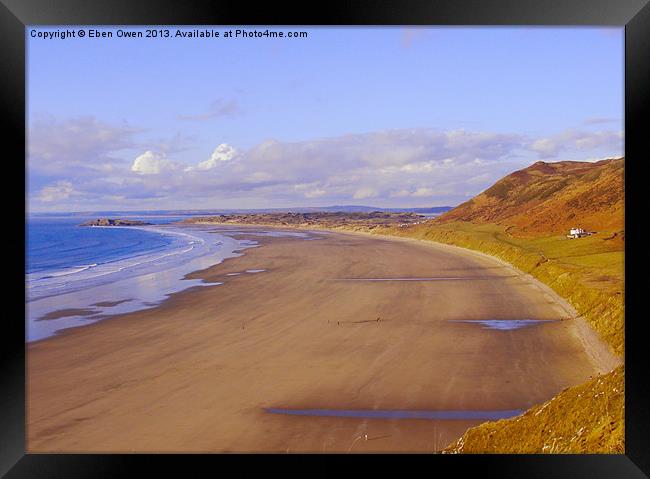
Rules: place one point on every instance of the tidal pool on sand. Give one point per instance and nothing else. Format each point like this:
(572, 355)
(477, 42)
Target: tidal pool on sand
(400, 414)
(504, 324)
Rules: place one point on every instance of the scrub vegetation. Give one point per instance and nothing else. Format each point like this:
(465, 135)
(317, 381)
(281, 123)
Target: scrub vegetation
(588, 418)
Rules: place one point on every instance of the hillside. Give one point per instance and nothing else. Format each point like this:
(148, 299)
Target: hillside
(551, 198)
(588, 418)
(523, 219)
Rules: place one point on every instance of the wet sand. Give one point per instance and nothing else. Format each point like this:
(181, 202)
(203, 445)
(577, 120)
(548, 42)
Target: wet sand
(63, 313)
(196, 373)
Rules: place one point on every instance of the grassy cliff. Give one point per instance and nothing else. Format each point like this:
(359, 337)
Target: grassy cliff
(588, 418)
(523, 219)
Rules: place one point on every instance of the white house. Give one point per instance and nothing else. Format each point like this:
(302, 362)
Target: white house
(578, 233)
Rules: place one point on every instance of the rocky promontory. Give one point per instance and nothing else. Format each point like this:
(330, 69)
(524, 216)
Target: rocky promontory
(342, 220)
(114, 222)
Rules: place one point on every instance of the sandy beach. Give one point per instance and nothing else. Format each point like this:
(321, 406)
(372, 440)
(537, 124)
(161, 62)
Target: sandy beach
(345, 322)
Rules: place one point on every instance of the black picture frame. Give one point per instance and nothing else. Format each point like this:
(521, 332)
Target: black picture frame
(633, 14)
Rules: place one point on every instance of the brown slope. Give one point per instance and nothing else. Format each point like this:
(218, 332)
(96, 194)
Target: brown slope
(551, 198)
(587, 418)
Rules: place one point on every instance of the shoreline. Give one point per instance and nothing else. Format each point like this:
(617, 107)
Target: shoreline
(201, 367)
(192, 275)
(121, 286)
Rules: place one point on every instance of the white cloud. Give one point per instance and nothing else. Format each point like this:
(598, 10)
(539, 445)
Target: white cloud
(150, 163)
(400, 193)
(310, 190)
(365, 192)
(572, 139)
(259, 177)
(82, 146)
(414, 167)
(61, 190)
(480, 179)
(222, 153)
(545, 147)
(315, 193)
(418, 192)
(424, 192)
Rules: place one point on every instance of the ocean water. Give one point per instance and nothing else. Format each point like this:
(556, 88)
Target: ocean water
(57, 246)
(77, 275)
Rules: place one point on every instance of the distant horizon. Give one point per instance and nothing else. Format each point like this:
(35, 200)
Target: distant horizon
(181, 211)
(392, 116)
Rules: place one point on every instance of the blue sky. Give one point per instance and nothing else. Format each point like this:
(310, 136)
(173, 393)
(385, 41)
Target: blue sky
(383, 116)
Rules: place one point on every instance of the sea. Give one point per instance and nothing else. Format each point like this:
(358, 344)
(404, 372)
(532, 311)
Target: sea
(77, 275)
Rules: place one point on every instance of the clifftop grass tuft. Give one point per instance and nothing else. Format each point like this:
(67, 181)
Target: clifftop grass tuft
(588, 418)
